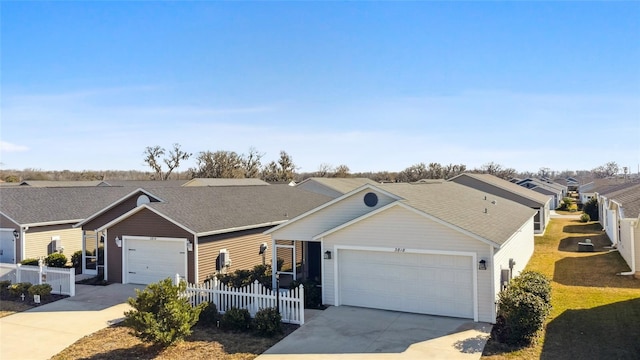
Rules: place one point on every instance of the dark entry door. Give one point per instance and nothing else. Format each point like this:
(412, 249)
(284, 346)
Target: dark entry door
(314, 261)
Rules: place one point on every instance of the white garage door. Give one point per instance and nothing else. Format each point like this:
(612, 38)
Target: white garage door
(149, 260)
(420, 283)
(7, 246)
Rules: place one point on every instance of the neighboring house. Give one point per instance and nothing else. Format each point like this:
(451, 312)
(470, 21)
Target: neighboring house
(43, 219)
(505, 189)
(435, 247)
(225, 182)
(70, 183)
(546, 187)
(333, 187)
(613, 200)
(195, 231)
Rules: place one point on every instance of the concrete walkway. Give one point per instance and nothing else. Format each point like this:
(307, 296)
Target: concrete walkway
(44, 331)
(352, 333)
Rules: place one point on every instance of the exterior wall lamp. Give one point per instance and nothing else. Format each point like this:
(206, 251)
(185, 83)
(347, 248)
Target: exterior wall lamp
(16, 233)
(118, 242)
(482, 265)
(327, 255)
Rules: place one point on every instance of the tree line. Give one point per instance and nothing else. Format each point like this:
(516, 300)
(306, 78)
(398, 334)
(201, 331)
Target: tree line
(164, 165)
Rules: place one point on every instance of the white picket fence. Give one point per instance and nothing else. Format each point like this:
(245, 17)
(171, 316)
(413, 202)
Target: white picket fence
(251, 297)
(62, 280)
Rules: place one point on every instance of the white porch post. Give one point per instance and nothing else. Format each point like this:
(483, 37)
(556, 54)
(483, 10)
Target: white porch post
(274, 263)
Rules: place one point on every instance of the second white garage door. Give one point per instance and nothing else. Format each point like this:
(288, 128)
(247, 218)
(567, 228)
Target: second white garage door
(412, 282)
(149, 260)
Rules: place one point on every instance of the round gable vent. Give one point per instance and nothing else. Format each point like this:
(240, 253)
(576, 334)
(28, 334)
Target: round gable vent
(370, 199)
(142, 199)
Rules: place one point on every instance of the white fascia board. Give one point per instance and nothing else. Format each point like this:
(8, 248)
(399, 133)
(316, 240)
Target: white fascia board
(112, 205)
(139, 208)
(240, 228)
(48, 223)
(327, 204)
(407, 207)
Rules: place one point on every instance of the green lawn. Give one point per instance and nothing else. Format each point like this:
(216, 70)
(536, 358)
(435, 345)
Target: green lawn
(596, 313)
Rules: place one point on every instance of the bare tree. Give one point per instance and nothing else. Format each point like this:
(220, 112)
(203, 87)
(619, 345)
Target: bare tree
(496, 170)
(324, 170)
(609, 169)
(219, 164)
(281, 170)
(341, 171)
(153, 155)
(251, 163)
(413, 173)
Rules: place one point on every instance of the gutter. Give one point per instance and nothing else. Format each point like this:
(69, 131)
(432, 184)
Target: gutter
(633, 252)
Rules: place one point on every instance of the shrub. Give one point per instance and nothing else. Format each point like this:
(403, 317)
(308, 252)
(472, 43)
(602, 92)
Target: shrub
(43, 290)
(56, 260)
(209, 315)
(19, 288)
(33, 262)
(535, 283)
(522, 309)
(240, 278)
(591, 208)
(236, 319)
(312, 293)
(160, 314)
(585, 218)
(4, 286)
(573, 207)
(268, 322)
(76, 259)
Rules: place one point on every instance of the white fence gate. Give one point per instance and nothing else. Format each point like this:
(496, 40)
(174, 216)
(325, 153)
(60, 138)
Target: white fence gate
(62, 280)
(251, 297)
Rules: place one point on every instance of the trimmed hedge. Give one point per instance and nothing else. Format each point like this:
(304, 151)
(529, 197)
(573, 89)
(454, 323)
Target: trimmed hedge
(56, 260)
(268, 322)
(236, 320)
(522, 309)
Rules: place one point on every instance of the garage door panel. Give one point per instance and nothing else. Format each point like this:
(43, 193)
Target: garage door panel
(412, 282)
(149, 261)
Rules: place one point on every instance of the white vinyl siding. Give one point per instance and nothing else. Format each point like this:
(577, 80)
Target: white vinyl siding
(331, 216)
(519, 248)
(398, 227)
(626, 249)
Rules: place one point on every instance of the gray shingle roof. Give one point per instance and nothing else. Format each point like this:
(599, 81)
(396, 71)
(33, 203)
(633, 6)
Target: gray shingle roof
(341, 185)
(205, 209)
(628, 196)
(28, 205)
(464, 207)
(508, 186)
(225, 182)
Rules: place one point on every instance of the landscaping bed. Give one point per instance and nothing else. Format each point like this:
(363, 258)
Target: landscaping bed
(10, 304)
(118, 342)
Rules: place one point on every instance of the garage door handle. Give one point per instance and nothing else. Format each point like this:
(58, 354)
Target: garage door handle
(131, 272)
(181, 252)
(132, 249)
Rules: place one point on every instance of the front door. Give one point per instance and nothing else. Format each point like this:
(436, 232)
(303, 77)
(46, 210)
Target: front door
(314, 257)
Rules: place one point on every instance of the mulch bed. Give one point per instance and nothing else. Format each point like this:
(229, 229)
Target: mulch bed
(28, 299)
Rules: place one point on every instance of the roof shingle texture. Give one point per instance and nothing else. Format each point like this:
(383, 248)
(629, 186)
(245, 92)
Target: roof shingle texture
(342, 185)
(511, 187)
(464, 207)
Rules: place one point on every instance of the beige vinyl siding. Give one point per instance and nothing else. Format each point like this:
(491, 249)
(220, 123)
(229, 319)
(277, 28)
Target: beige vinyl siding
(243, 247)
(38, 240)
(142, 223)
(519, 248)
(398, 227)
(330, 217)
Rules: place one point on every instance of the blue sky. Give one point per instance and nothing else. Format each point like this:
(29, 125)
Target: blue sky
(373, 85)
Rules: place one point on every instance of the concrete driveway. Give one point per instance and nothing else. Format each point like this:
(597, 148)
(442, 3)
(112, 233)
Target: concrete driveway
(359, 333)
(44, 331)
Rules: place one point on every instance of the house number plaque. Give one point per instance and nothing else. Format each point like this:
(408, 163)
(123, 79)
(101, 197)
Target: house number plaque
(399, 249)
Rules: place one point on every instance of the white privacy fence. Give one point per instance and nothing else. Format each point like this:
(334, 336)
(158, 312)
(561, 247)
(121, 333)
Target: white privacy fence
(251, 297)
(62, 280)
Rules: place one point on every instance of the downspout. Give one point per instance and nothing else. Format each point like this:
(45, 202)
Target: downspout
(23, 243)
(633, 252)
(105, 267)
(196, 273)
